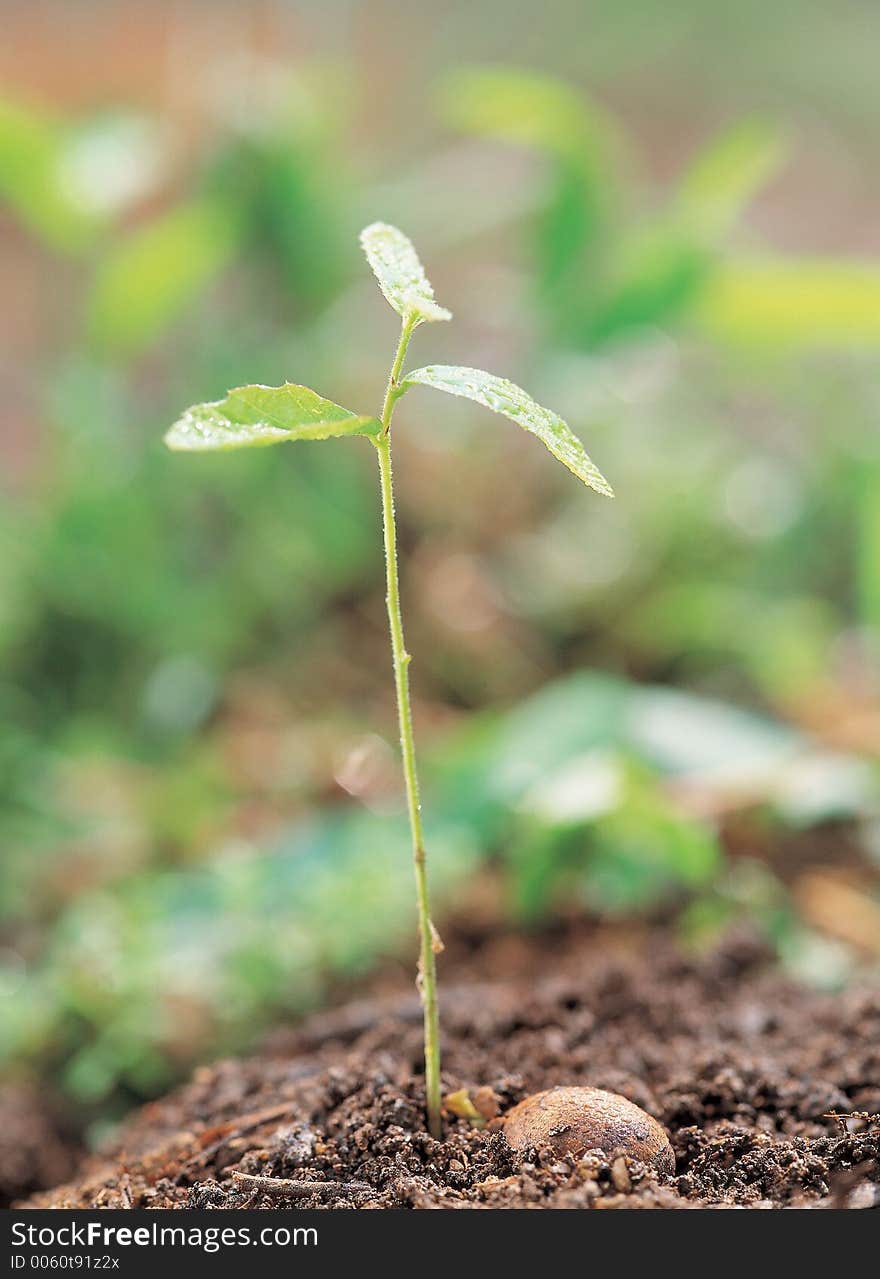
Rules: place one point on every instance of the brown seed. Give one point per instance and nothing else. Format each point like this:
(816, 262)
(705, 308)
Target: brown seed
(572, 1120)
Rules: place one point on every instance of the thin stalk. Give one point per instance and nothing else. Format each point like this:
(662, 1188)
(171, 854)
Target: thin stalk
(401, 659)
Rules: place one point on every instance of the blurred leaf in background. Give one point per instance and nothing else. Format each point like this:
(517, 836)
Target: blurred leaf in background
(786, 302)
(269, 193)
(68, 181)
(575, 227)
(144, 283)
(602, 273)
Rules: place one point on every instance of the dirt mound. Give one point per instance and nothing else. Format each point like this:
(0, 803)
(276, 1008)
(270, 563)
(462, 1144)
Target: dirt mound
(742, 1067)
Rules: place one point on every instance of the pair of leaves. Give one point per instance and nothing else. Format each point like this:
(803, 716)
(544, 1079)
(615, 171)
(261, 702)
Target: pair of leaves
(260, 415)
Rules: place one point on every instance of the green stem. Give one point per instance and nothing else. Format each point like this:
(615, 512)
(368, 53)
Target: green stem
(401, 658)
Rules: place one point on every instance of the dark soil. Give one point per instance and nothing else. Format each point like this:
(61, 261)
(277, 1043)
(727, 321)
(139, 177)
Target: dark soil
(34, 1150)
(742, 1067)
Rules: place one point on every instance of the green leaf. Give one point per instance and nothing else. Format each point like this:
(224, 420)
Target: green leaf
(401, 277)
(252, 416)
(505, 397)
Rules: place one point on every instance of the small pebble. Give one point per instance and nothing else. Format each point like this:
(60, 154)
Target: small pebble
(620, 1175)
(864, 1196)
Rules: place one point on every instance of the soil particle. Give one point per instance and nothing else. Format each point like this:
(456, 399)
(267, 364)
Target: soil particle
(745, 1071)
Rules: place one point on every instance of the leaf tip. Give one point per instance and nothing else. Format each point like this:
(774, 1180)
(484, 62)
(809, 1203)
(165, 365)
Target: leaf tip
(375, 229)
(176, 438)
(400, 275)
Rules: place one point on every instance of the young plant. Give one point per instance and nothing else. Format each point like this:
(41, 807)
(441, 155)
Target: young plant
(251, 416)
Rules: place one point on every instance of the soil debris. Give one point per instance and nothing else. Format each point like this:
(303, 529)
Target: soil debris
(769, 1093)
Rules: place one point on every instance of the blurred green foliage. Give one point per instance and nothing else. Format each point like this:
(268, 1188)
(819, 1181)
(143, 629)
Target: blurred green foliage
(579, 793)
(794, 302)
(153, 273)
(33, 148)
(176, 867)
(605, 270)
(602, 269)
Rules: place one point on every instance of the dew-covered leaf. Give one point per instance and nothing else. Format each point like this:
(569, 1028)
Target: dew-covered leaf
(505, 397)
(401, 276)
(251, 416)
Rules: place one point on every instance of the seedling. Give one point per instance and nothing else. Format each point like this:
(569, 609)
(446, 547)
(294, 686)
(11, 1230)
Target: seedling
(251, 416)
